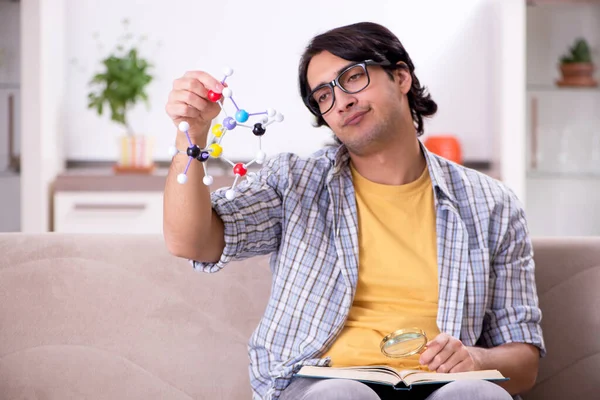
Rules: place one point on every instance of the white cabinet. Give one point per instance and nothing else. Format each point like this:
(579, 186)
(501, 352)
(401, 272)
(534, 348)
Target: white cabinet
(95, 200)
(108, 212)
(563, 126)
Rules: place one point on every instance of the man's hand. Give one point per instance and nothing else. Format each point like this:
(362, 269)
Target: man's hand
(445, 353)
(189, 100)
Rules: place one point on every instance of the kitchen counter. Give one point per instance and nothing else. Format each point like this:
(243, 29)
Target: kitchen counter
(100, 177)
(104, 179)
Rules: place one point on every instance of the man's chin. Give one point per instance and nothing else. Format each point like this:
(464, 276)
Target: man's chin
(362, 146)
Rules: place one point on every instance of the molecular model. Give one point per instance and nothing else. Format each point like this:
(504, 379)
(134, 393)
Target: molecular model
(214, 149)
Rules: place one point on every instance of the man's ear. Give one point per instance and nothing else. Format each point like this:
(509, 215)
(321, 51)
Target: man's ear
(403, 76)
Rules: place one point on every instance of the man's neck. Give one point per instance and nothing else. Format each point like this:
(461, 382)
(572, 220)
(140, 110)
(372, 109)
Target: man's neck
(398, 163)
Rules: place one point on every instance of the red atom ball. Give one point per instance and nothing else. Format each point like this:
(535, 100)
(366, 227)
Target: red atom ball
(239, 169)
(212, 96)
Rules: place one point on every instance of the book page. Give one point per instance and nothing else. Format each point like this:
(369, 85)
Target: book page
(373, 374)
(409, 377)
(380, 368)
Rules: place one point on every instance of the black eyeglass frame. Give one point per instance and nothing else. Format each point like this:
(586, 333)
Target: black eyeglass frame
(336, 82)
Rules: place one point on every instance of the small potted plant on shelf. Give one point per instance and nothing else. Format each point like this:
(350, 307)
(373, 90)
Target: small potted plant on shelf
(577, 67)
(120, 86)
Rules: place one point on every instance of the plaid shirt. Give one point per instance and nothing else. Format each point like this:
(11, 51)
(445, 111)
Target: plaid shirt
(303, 211)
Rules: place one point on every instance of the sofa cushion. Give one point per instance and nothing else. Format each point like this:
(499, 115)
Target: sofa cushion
(105, 317)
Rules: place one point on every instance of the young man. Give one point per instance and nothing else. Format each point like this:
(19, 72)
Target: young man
(367, 237)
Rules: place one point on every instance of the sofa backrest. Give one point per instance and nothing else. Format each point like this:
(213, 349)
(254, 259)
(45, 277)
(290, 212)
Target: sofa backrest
(568, 282)
(109, 316)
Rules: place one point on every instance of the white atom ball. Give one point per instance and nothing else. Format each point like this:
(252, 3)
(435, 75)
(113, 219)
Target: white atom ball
(173, 151)
(227, 92)
(230, 194)
(182, 178)
(260, 157)
(228, 71)
(271, 112)
(184, 126)
(279, 117)
(208, 180)
(264, 120)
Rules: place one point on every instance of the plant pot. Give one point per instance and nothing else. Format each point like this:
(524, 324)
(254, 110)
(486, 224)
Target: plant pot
(136, 154)
(446, 146)
(577, 74)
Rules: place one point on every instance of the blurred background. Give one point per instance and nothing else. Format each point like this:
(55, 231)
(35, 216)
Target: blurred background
(514, 81)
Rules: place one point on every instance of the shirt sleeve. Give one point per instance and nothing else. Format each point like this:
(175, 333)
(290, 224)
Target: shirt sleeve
(513, 314)
(252, 220)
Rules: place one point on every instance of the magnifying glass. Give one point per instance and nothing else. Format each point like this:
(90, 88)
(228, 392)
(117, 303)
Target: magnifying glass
(404, 343)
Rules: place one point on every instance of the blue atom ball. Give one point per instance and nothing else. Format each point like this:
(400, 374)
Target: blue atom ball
(241, 116)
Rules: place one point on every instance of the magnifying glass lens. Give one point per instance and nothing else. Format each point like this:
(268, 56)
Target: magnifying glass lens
(403, 343)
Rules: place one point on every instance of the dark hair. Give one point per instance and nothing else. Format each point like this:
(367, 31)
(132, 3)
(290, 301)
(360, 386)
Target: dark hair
(362, 41)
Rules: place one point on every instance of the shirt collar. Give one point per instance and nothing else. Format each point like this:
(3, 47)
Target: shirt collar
(438, 179)
(341, 159)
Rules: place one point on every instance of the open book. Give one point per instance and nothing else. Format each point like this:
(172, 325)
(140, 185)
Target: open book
(399, 379)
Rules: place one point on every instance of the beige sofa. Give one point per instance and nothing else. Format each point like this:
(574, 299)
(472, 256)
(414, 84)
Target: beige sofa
(117, 317)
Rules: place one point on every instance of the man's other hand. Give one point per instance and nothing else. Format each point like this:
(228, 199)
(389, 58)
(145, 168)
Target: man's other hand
(445, 353)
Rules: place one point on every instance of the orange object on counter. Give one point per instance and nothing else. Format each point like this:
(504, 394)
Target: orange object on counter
(446, 146)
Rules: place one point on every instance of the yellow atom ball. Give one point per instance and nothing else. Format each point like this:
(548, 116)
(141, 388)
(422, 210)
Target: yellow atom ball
(217, 130)
(215, 150)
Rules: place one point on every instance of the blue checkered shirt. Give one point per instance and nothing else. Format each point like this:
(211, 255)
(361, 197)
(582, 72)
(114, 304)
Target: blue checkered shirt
(303, 212)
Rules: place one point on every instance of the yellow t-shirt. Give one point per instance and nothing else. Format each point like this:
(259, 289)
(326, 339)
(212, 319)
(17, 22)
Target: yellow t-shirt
(398, 271)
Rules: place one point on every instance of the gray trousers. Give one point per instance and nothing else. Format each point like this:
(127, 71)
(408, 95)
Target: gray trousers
(344, 389)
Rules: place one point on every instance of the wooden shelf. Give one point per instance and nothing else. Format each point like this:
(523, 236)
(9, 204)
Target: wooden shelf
(564, 89)
(567, 175)
(542, 2)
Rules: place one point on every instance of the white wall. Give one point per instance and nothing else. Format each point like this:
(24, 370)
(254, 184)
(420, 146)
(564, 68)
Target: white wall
(511, 82)
(453, 44)
(43, 76)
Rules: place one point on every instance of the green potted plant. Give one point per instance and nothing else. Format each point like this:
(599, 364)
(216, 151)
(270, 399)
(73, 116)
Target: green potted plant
(577, 67)
(120, 86)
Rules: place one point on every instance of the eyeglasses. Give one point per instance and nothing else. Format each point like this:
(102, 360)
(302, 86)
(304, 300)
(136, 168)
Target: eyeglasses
(351, 80)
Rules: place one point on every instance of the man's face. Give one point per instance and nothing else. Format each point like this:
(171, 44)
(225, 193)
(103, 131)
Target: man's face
(366, 120)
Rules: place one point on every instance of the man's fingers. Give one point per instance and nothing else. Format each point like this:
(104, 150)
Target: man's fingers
(452, 361)
(207, 80)
(434, 346)
(440, 358)
(189, 98)
(181, 110)
(191, 85)
(440, 339)
(465, 365)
